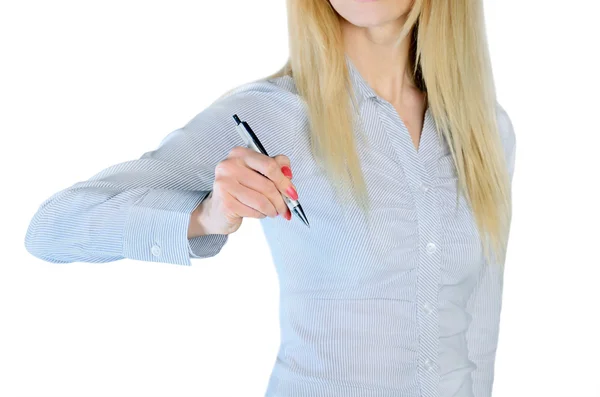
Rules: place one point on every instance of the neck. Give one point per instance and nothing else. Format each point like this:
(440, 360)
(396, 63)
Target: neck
(380, 60)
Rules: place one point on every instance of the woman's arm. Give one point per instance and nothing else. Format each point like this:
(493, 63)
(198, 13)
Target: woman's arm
(485, 303)
(141, 209)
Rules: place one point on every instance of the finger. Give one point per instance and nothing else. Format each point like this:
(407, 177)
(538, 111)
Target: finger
(270, 168)
(242, 210)
(252, 199)
(261, 184)
(239, 151)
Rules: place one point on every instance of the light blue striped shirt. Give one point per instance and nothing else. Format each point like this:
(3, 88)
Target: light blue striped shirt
(399, 304)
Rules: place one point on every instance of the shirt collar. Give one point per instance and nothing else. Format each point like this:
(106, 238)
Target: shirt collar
(362, 89)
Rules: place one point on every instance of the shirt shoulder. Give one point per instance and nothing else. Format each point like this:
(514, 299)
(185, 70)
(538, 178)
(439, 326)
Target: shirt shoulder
(271, 98)
(272, 108)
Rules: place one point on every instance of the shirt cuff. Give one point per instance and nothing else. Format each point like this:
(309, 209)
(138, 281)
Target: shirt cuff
(157, 226)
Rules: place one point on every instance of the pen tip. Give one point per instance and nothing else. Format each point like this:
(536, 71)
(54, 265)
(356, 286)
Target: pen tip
(237, 119)
(300, 213)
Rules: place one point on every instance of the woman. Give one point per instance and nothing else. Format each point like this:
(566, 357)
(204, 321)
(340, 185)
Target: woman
(403, 160)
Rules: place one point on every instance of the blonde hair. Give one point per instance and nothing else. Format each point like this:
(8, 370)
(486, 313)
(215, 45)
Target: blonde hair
(450, 63)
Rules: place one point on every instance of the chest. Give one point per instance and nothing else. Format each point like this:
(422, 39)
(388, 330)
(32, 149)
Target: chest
(417, 223)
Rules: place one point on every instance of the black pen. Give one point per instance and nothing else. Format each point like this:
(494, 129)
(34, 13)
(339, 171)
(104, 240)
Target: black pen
(252, 142)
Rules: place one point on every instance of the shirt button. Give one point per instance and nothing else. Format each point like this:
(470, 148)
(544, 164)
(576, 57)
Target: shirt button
(428, 364)
(423, 188)
(431, 248)
(155, 250)
(428, 308)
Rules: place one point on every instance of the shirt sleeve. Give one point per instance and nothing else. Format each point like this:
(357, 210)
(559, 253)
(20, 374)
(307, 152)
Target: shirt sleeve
(485, 304)
(141, 209)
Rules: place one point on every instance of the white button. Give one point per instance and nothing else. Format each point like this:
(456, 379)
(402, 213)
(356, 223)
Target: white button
(428, 308)
(428, 365)
(423, 188)
(155, 250)
(431, 248)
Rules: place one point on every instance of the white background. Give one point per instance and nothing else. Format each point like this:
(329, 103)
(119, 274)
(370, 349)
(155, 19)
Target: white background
(85, 85)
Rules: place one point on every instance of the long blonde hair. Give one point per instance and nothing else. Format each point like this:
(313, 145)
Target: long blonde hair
(450, 62)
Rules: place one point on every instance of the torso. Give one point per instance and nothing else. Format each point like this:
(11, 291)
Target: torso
(371, 306)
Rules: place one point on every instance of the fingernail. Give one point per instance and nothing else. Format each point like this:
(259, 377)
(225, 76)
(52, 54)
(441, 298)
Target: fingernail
(292, 192)
(286, 171)
(288, 214)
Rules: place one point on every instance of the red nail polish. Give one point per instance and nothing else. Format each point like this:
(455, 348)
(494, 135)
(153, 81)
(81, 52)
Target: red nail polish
(292, 193)
(286, 171)
(288, 215)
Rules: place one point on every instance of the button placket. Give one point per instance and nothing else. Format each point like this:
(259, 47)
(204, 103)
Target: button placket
(429, 257)
(419, 167)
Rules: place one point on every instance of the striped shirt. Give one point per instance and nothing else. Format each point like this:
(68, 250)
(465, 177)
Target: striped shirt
(398, 304)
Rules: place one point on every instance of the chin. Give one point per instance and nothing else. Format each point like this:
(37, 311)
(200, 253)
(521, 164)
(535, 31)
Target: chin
(371, 21)
(370, 14)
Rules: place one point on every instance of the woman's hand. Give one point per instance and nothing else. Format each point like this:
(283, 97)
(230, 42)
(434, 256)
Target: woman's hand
(247, 184)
